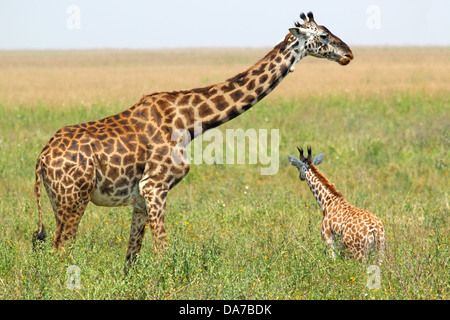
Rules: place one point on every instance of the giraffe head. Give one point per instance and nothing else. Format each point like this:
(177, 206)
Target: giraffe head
(320, 42)
(304, 163)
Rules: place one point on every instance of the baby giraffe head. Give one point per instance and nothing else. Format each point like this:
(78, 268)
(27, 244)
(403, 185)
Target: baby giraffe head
(320, 42)
(304, 163)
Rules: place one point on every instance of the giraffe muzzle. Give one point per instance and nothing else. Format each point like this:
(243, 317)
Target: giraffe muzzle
(346, 60)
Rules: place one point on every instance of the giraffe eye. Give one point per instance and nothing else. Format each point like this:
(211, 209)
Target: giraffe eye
(323, 36)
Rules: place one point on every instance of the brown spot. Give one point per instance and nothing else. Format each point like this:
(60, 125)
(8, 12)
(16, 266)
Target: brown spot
(263, 78)
(118, 130)
(228, 87)
(157, 138)
(168, 111)
(249, 99)
(151, 129)
(197, 100)
(56, 153)
(141, 113)
(57, 163)
(220, 102)
(251, 85)
(260, 70)
(139, 125)
(143, 139)
(116, 160)
(130, 172)
(240, 79)
(162, 150)
(162, 104)
(102, 136)
(113, 172)
(128, 159)
(166, 130)
(187, 113)
(171, 96)
(108, 146)
(128, 138)
(120, 148)
(141, 154)
(71, 156)
(204, 110)
(179, 123)
(161, 174)
(185, 100)
(156, 116)
(236, 95)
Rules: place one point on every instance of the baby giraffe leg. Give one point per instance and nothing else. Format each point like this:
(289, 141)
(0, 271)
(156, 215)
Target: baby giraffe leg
(328, 238)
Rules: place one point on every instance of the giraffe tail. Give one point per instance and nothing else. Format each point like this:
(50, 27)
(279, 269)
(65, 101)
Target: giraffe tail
(380, 243)
(38, 235)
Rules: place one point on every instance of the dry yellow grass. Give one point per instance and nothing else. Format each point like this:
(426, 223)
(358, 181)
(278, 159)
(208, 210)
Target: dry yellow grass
(81, 78)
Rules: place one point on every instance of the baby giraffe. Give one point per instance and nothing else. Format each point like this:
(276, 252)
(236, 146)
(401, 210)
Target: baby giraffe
(344, 227)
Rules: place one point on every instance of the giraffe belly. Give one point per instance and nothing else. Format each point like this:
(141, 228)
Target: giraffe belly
(130, 197)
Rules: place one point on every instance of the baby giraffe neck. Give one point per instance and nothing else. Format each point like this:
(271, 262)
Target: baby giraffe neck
(323, 191)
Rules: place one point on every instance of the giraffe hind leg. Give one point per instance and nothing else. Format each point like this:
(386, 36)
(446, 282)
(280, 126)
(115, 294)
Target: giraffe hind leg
(67, 221)
(156, 213)
(69, 205)
(155, 201)
(138, 222)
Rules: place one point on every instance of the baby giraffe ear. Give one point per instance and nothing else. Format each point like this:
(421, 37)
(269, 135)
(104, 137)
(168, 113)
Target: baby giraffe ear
(294, 161)
(318, 159)
(301, 33)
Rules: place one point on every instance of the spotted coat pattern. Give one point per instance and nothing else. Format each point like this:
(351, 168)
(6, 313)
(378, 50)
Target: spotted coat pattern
(345, 228)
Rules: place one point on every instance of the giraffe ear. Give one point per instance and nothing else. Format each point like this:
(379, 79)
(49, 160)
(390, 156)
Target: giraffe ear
(318, 159)
(294, 161)
(301, 33)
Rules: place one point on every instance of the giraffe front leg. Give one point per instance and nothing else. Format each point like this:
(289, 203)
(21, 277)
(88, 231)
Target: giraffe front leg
(328, 238)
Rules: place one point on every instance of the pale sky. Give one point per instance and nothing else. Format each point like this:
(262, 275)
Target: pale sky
(85, 24)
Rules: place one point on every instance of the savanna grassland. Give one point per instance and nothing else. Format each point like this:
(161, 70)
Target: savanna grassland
(383, 123)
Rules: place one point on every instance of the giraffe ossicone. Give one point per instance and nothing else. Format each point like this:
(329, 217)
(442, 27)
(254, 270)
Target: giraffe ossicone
(127, 159)
(345, 228)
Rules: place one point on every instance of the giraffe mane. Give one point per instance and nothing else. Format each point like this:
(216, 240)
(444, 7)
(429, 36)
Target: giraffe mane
(203, 90)
(324, 180)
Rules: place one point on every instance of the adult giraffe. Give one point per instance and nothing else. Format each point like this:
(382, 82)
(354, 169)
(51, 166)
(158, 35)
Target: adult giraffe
(128, 158)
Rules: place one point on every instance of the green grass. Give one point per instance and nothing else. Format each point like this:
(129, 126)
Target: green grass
(235, 234)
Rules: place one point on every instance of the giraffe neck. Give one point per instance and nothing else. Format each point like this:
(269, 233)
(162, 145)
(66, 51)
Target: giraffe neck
(216, 104)
(228, 99)
(323, 191)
